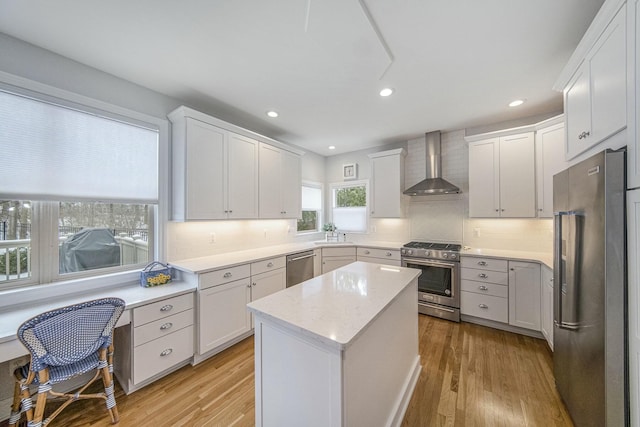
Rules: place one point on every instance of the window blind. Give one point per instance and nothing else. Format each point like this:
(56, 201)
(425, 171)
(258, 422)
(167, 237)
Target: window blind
(52, 152)
(311, 198)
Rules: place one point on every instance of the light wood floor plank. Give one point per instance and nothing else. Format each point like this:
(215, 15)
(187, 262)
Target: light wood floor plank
(471, 376)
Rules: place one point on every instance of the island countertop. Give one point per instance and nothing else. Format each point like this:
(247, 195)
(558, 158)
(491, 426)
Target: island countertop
(336, 307)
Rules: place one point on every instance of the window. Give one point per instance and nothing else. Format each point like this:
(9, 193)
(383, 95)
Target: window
(79, 196)
(349, 206)
(311, 220)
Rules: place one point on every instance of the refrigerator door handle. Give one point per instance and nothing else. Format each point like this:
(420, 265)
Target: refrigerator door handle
(567, 250)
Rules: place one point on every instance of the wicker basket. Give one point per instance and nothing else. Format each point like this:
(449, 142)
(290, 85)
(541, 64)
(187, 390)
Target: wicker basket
(155, 274)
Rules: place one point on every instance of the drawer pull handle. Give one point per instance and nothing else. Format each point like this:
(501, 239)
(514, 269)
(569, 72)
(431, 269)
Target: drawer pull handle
(483, 306)
(388, 253)
(482, 276)
(483, 263)
(166, 352)
(483, 288)
(227, 275)
(166, 326)
(270, 264)
(166, 307)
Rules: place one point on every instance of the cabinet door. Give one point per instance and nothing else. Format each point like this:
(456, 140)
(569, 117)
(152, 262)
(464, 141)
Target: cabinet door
(291, 184)
(577, 110)
(243, 177)
(267, 283)
(546, 306)
(484, 179)
(608, 80)
(223, 314)
(205, 169)
(332, 263)
(270, 197)
(386, 187)
(517, 176)
(549, 161)
(524, 295)
(633, 238)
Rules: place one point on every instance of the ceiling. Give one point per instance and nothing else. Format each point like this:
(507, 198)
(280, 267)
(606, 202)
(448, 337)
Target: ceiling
(321, 63)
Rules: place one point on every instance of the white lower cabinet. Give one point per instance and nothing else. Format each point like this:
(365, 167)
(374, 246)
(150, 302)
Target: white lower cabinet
(159, 340)
(546, 305)
(333, 258)
(524, 295)
(379, 256)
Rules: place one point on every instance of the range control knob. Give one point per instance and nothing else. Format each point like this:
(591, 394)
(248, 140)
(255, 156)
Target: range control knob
(409, 252)
(427, 253)
(454, 256)
(445, 255)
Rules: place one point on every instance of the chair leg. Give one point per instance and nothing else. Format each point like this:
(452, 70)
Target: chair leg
(21, 399)
(41, 401)
(106, 361)
(15, 406)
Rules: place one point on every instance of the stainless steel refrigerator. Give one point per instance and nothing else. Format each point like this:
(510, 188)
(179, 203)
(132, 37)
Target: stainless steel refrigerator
(589, 359)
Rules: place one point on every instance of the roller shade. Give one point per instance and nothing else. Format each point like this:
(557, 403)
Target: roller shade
(311, 198)
(52, 152)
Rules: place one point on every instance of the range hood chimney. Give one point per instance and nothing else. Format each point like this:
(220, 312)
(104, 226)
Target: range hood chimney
(433, 184)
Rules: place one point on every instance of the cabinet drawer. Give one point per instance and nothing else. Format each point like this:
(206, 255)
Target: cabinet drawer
(394, 262)
(390, 254)
(496, 277)
(224, 275)
(158, 355)
(268, 265)
(492, 289)
(161, 327)
(485, 306)
(339, 251)
(161, 309)
(484, 263)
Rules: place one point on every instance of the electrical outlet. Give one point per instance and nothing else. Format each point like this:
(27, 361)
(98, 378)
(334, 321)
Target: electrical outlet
(16, 363)
(476, 232)
(212, 238)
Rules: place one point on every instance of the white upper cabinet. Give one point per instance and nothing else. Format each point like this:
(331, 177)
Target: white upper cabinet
(633, 102)
(215, 173)
(595, 82)
(217, 167)
(280, 183)
(549, 161)
(502, 177)
(387, 184)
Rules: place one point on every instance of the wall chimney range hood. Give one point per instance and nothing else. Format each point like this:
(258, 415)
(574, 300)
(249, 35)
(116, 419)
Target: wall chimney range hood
(433, 184)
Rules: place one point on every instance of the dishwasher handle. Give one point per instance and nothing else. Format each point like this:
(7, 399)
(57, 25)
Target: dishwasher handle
(300, 257)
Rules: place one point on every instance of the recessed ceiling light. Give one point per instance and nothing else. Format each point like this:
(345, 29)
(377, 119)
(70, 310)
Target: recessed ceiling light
(272, 114)
(386, 91)
(516, 103)
(332, 147)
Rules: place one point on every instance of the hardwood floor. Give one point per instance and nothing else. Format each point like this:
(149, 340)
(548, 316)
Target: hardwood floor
(471, 376)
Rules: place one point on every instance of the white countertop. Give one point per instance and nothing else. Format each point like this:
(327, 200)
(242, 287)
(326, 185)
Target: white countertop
(133, 295)
(214, 262)
(541, 257)
(336, 307)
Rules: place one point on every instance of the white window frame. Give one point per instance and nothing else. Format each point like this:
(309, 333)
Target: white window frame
(321, 215)
(45, 270)
(359, 183)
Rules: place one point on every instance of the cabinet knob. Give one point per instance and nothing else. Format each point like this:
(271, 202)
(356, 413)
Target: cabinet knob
(482, 263)
(483, 306)
(166, 326)
(501, 210)
(512, 269)
(367, 252)
(482, 276)
(584, 134)
(166, 352)
(540, 209)
(166, 307)
(227, 275)
(497, 210)
(483, 288)
(270, 264)
(388, 253)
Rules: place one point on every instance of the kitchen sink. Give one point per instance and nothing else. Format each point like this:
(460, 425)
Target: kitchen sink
(324, 242)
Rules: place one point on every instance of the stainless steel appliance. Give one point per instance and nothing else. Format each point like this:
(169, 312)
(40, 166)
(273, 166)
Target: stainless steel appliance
(439, 283)
(299, 267)
(589, 359)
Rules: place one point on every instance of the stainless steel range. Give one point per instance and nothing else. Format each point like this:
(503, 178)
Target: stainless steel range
(439, 283)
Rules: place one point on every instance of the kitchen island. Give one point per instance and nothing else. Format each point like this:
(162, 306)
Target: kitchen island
(340, 349)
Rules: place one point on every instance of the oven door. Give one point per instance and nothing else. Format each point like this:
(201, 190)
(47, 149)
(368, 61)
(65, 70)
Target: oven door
(439, 282)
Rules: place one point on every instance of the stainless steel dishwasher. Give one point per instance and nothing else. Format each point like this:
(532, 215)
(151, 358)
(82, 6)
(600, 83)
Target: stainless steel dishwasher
(299, 267)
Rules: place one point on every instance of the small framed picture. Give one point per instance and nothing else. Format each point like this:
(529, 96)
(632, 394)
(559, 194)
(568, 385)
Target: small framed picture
(350, 171)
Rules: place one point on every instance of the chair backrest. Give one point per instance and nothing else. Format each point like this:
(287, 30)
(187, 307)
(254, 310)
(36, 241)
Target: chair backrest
(69, 334)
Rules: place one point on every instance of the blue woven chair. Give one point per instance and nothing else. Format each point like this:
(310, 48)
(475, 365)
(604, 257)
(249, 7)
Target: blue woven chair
(65, 343)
